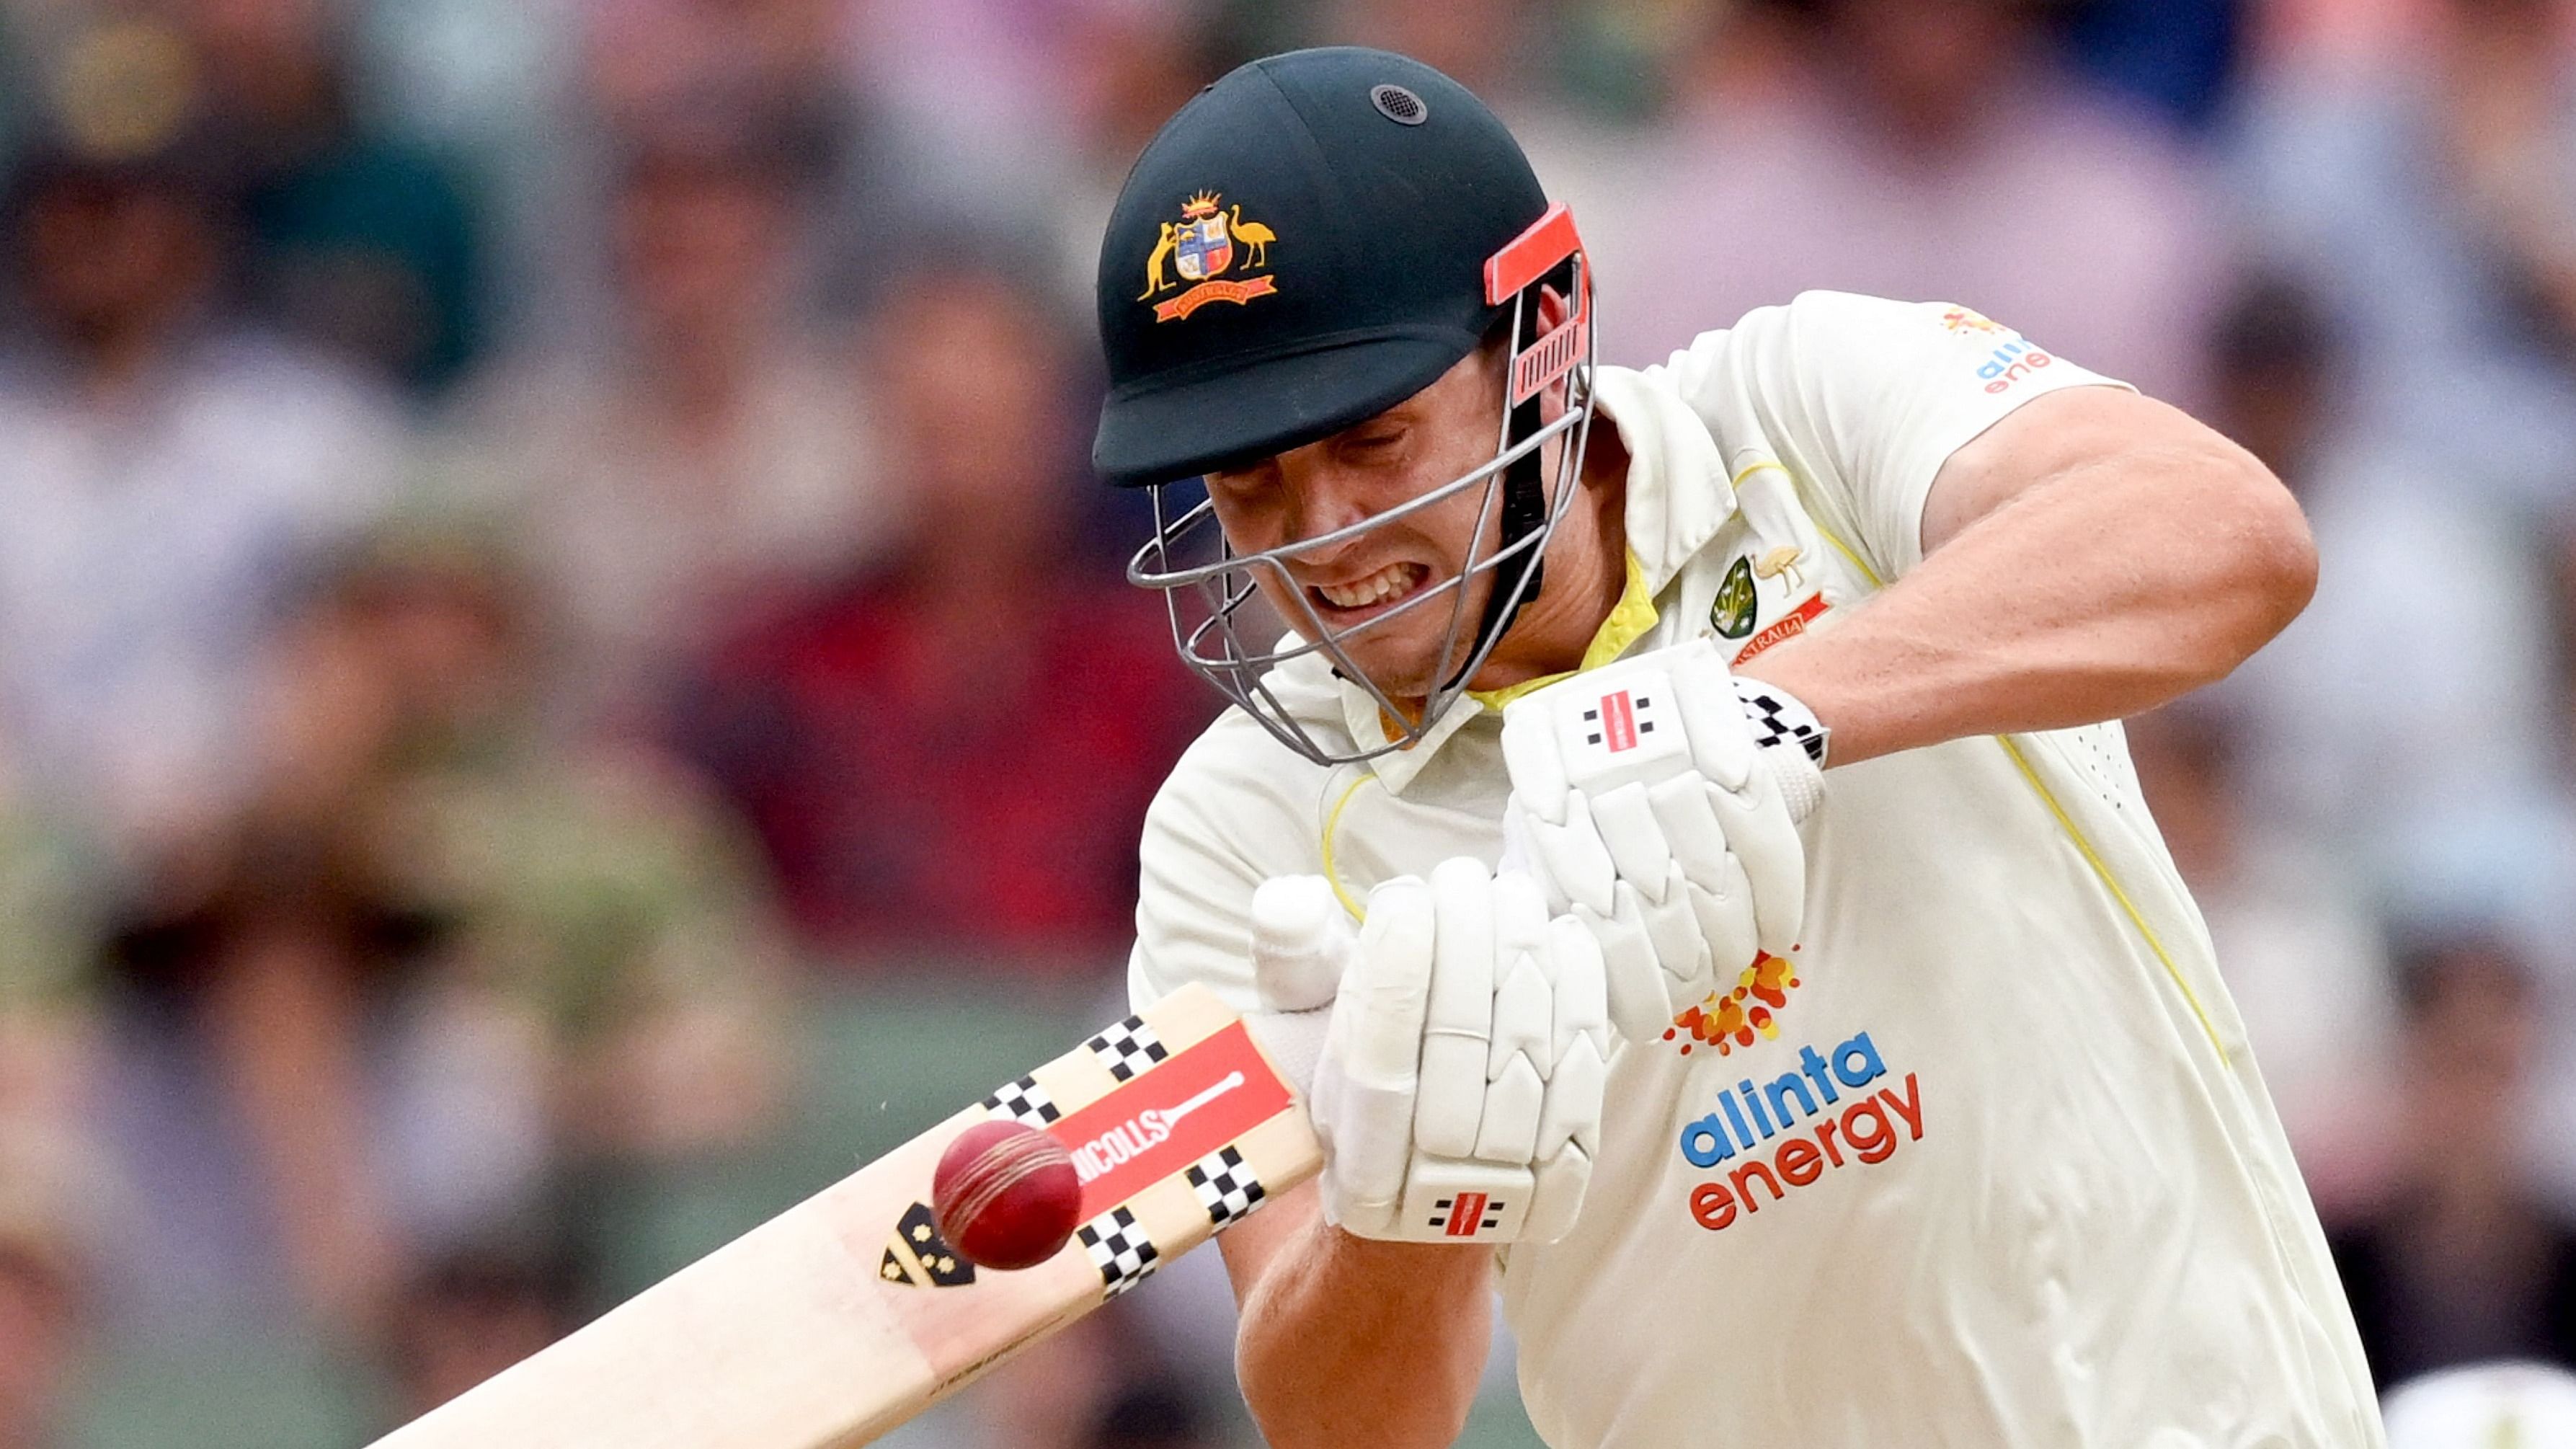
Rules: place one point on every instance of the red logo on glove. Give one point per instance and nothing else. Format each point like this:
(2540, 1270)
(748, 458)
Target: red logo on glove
(1614, 722)
(1466, 1215)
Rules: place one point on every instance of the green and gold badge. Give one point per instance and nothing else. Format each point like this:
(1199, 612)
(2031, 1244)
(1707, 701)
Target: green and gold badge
(1732, 612)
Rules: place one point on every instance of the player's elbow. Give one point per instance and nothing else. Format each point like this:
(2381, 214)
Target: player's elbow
(2264, 553)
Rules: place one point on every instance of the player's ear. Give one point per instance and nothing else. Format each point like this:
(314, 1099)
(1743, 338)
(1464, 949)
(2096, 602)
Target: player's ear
(1552, 309)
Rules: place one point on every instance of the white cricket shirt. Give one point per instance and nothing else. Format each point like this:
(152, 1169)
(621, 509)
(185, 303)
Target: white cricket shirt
(1987, 1162)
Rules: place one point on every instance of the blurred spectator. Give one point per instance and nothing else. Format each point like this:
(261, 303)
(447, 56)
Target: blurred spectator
(487, 87)
(357, 239)
(2177, 55)
(1061, 90)
(299, 1102)
(48, 910)
(954, 751)
(2483, 1406)
(646, 58)
(2462, 1261)
(711, 448)
(1923, 149)
(164, 465)
(45, 1258)
(1153, 1415)
(1494, 48)
(2429, 613)
(2303, 961)
(1516, 57)
(600, 886)
(2336, 32)
(1122, 68)
(433, 954)
(470, 1316)
(2428, 195)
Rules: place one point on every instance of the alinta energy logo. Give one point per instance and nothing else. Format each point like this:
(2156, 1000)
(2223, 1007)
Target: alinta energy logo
(1789, 1132)
(2013, 357)
(1743, 1016)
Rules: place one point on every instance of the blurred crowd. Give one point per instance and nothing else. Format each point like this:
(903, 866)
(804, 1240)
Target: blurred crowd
(560, 662)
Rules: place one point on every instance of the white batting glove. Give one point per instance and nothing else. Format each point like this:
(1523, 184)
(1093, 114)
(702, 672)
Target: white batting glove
(1458, 1088)
(1659, 805)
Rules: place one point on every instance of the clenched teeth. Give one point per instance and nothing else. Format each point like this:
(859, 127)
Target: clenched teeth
(1386, 583)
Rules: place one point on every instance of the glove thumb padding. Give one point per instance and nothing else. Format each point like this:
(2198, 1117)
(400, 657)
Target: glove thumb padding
(1302, 943)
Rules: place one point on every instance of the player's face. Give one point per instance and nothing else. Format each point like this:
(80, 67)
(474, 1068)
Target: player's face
(1433, 438)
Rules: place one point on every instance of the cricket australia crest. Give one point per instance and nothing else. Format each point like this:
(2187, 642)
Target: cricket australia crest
(1199, 250)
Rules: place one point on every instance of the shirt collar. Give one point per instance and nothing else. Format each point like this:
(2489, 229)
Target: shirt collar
(1629, 621)
(1678, 491)
(1677, 500)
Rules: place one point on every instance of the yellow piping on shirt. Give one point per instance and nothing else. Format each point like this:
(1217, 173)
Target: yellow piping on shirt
(2111, 883)
(1332, 822)
(2065, 822)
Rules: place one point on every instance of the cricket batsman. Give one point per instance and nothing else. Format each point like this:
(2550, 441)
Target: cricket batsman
(1675, 824)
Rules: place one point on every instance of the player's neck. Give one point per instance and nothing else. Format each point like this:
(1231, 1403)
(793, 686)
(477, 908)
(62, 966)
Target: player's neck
(1587, 571)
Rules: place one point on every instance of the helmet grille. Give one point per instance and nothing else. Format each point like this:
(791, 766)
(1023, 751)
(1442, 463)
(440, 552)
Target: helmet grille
(1399, 105)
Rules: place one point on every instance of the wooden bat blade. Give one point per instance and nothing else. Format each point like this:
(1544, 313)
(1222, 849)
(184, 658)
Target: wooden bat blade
(847, 1315)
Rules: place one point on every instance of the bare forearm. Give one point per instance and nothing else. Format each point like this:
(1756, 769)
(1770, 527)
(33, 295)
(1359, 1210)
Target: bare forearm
(2105, 590)
(1351, 1342)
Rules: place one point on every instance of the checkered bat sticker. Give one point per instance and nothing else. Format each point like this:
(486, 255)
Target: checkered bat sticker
(1127, 1048)
(1024, 1102)
(1120, 1249)
(1226, 1187)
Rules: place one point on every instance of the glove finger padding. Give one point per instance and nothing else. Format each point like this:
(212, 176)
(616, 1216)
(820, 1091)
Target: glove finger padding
(1566, 854)
(1766, 848)
(1681, 952)
(1580, 1056)
(1569, 1127)
(1367, 1083)
(1457, 1029)
(1454, 1144)
(1523, 1038)
(1722, 899)
(1633, 838)
(1639, 1000)
(1721, 743)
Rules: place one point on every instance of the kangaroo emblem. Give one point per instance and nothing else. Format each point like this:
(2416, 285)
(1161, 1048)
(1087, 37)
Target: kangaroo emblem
(1154, 264)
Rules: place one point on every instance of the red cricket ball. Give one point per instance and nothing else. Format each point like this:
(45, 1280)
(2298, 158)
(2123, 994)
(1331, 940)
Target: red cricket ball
(1006, 1195)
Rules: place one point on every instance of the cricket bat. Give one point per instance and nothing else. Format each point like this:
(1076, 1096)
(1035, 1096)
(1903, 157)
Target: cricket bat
(847, 1315)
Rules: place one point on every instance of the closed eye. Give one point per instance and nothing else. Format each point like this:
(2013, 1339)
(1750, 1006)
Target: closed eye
(1372, 445)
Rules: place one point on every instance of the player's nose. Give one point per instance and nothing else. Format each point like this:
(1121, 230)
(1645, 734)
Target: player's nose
(1323, 502)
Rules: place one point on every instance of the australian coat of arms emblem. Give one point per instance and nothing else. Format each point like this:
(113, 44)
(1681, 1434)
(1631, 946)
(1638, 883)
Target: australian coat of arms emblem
(1196, 253)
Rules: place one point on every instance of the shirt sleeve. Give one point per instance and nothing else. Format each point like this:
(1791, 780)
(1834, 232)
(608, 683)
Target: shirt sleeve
(1194, 891)
(1236, 812)
(1864, 399)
